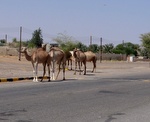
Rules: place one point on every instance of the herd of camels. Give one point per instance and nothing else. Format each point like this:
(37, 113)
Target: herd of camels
(57, 56)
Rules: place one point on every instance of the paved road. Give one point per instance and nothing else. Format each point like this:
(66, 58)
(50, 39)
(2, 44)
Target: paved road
(123, 98)
(117, 92)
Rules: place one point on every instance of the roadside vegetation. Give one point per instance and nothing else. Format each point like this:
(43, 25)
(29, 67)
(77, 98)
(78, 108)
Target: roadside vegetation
(68, 43)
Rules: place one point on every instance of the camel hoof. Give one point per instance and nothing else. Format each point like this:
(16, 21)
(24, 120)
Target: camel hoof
(35, 81)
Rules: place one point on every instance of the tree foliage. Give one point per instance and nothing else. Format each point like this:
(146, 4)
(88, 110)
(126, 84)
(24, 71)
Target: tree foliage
(126, 48)
(81, 46)
(65, 42)
(37, 39)
(145, 39)
(2, 42)
(108, 48)
(94, 48)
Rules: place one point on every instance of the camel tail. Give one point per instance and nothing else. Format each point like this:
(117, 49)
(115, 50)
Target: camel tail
(94, 64)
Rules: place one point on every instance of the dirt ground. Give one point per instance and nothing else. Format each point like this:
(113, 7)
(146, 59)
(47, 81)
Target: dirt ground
(11, 67)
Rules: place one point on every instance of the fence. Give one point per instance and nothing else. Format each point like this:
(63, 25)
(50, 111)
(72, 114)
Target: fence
(105, 56)
(110, 56)
(8, 51)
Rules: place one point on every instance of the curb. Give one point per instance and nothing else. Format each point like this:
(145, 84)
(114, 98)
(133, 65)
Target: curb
(17, 79)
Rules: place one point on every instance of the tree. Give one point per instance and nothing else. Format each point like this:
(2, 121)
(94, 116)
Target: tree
(126, 48)
(81, 46)
(94, 48)
(108, 48)
(144, 52)
(2, 41)
(145, 39)
(119, 49)
(14, 40)
(65, 42)
(37, 39)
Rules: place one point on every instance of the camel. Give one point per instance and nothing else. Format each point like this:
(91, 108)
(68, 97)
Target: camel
(56, 56)
(69, 59)
(38, 56)
(90, 56)
(80, 57)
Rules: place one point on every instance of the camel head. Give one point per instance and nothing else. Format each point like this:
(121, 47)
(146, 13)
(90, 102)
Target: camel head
(23, 49)
(44, 46)
(75, 52)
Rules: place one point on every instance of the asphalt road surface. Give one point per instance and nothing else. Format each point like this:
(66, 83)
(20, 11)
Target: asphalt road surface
(123, 98)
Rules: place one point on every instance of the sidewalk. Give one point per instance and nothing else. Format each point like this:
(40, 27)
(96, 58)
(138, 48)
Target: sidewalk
(11, 67)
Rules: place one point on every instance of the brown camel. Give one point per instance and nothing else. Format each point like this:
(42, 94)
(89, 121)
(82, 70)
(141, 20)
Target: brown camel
(80, 57)
(90, 56)
(69, 59)
(56, 56)
(38, 56)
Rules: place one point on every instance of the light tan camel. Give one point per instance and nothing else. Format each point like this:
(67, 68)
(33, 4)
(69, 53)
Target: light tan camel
(90, 56)
(56, 56)
(80, 57)
(37, 57)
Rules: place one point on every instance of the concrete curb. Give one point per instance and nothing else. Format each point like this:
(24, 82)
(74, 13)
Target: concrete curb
(17, 79)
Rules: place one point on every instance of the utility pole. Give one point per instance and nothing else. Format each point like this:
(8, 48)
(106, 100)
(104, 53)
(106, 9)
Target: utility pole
(20, 44)
(90, 40)
(100, 50)
(123, 49)
(6, 38)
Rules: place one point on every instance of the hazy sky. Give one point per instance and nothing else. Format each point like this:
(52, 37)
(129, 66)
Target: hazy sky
(113, 20)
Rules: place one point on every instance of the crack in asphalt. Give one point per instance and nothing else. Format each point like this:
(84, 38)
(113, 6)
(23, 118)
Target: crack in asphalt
(111, 117)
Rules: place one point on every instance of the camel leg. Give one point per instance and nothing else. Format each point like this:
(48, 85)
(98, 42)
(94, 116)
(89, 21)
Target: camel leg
(44, 65)
(58, 70)
(63, 71)
(67, 64)
(71, 64)
(48, 66)
(36, 73)
(93, 66)
(79, 67)
(75, 67)
(84, 67)
(53, 72)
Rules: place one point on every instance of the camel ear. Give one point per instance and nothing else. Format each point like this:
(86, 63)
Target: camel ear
(44, 45)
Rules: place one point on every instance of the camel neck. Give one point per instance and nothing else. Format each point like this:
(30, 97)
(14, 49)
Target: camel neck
(27, 56)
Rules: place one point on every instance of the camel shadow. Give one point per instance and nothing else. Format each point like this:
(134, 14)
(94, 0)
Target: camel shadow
(90, 74)
(55, 81)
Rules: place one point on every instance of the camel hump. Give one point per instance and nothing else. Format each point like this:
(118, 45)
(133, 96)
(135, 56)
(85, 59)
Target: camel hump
(79, 55)
(90, 53)
(56, 49)
(90, 56)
